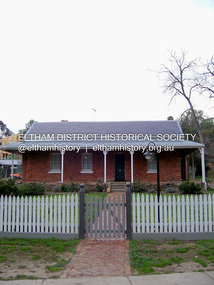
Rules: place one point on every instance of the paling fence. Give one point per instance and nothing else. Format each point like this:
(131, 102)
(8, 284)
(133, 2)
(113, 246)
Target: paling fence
(80, 216)
(173, 214)
(45, 214)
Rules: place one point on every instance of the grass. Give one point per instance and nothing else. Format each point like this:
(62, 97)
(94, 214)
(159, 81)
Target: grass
(18, 253)
(152, 257)
(61, 264)
(98, 195)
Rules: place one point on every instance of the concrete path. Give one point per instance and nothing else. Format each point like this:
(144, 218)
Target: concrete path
(194, 278)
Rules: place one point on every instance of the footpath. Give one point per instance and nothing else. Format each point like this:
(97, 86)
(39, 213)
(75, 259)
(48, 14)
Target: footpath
(194, 278)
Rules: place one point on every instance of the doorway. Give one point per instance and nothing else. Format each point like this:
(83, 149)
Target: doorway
(120, 167)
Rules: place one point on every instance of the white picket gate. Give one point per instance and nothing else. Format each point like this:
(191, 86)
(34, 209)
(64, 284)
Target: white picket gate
(58, 214)
(178, 214)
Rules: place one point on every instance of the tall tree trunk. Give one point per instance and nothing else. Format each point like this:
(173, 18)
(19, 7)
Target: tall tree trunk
(195, 122)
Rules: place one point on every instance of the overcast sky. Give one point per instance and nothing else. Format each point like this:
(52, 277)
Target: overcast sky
(60, 59)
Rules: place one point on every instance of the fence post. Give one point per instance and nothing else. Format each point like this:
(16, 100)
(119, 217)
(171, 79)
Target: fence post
(128, 211)
(82, 211)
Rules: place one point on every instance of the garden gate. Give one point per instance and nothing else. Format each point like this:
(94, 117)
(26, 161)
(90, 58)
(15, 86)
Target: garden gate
(105, 217)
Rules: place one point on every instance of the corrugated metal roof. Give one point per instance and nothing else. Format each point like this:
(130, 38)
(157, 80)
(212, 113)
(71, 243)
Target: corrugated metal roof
(120, 127)
(152, 128)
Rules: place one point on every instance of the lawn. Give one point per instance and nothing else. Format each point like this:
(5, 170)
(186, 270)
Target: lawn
(34, 258)
(158, 257)
(39, 258)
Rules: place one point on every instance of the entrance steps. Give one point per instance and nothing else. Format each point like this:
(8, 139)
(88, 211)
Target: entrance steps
(119, 186)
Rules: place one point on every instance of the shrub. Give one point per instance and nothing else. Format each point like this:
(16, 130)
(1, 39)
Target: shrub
(31, 189)
(71, 187)
(64, 188)
(99, 187)
(138, 186)
(8, 187)
(189, 187)
(57, 188)
(170, 189)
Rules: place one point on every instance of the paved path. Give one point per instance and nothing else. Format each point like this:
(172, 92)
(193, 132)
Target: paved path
(100, 257)
(95, 258)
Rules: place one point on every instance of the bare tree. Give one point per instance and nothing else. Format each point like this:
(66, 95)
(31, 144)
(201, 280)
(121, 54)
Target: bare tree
(206, 83)
(182, 79)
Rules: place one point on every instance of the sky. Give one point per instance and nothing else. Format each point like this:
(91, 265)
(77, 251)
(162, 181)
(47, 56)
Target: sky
(61, 60)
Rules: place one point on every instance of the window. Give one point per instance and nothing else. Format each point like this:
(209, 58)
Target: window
(55, 163)
(87, 163)
(152, 164)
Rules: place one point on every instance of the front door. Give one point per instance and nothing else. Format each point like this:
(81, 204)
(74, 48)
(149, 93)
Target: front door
(120, 167)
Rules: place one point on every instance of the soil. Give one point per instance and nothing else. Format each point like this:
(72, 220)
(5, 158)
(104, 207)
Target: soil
(183, 267)
(189, 253)
(26, 268)
(22, 262)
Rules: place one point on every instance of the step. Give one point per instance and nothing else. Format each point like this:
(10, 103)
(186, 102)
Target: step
(118, 186)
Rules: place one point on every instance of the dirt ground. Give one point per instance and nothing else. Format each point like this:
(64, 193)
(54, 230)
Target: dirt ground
(33, 261)
(183, 267)
(171, 257)
(25, 268)
(192, 251)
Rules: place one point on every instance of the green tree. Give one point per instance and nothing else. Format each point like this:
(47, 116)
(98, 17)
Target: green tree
(4, 131)
(27, 127)
(206, 125)
(207, 128)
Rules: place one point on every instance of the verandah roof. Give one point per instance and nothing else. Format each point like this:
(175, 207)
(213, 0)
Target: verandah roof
(150, 128)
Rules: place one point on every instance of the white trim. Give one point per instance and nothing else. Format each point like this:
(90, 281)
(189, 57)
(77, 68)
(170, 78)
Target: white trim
(54, 170)
(12, 167)
(62, 164)
(105, 153)
(203, 167)
(152, 171)
(132, 166)
(86, 171)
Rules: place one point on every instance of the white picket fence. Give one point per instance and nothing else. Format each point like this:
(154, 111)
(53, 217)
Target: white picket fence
(58, 214)
(177, 214)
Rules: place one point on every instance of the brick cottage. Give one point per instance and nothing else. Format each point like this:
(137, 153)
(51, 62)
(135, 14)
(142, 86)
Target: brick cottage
(113, 151)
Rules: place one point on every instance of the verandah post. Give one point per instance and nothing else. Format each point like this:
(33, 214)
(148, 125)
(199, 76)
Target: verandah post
(128, 211)
(82, 211)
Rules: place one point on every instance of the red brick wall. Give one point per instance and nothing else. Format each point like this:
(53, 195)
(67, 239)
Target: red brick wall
(36, 167)
(169, 167)
(73, 167)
